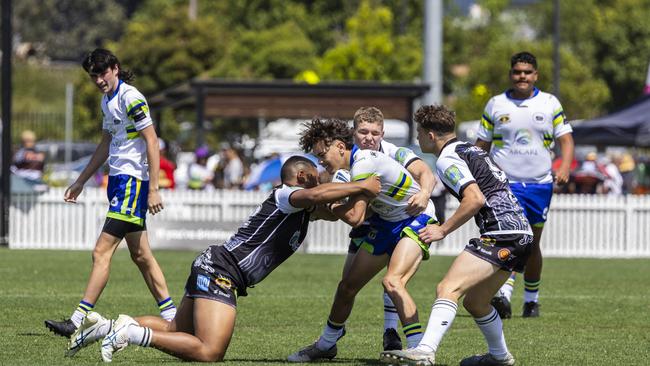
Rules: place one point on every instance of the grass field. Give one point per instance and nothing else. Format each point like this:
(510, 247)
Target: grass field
(594, 312)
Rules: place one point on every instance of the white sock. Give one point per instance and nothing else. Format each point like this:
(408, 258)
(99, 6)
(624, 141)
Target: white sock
(140, 336)
(508, 287)
(442, 315)
(492, 328)
(331, 333)
(168, 314)
(77, 317)
(391, 318)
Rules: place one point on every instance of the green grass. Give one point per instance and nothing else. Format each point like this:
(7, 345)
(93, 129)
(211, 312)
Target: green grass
(594, 312)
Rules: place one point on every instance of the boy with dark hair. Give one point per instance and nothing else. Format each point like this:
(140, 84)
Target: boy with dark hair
(130, 144)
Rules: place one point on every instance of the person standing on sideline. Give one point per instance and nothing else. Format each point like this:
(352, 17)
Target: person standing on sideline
(518, 128)
(167, 168)
(477, 273)
(130, 144)
(27, 162)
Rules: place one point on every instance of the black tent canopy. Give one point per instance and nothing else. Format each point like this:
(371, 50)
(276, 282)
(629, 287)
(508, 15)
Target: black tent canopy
(629, 126)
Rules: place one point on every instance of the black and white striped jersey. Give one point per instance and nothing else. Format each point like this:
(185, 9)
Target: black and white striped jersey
(461, 164)
(268, 237)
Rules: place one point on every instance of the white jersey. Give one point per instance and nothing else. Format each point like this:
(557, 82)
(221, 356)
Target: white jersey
(397, 184)
(404, 156)
(125, 114)
(522, 132)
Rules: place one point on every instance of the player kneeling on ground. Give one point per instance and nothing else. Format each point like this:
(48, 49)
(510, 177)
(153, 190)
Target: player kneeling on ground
(205, 320)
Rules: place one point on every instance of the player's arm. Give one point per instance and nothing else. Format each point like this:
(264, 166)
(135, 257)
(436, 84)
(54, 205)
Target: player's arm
(567, 149)
(425, 178)
(485, 145)
(332, 192)
(149, 136)
(321, 212)
(354, 211)
(99, 157)
(470, 205)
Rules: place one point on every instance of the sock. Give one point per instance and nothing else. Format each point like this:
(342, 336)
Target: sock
(140, 336)
(506, 289)
(492, 328)
(80, 312)
(413, 333)
(331, 333)
(167, 309)
(531, 290)
(442, 315)
(391, 317)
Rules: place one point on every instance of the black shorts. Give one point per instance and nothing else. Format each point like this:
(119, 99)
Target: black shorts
(509, 252)
(210, 285)
(119, 228)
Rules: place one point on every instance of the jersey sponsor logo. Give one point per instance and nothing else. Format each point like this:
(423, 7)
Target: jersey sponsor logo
(523, 137)
(503, 254)
(539, 117)
(453, 174)
(223, 282)
(116, 121)
(294, 242)
(503, 119)
(114, 201)
(400, 156)
(202, 282)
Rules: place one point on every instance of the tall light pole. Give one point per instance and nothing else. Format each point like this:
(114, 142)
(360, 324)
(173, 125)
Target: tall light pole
(5, 190)
(556, 48)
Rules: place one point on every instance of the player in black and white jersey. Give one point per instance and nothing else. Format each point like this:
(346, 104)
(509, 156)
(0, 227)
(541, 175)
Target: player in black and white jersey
(482, 188)
(205, 319)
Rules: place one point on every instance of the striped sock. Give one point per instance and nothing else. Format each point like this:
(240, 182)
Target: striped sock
(167, 309)
(506, 289)
(531, 290)
(442, 315)
(413, 333)
(391, 318)
(331, 334)
(492, 328)
(80, 312)
(140, 336)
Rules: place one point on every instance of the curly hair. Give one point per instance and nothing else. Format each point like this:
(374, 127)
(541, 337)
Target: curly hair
(325, 130)
(368, 115)
(523, 57)
(436, 118)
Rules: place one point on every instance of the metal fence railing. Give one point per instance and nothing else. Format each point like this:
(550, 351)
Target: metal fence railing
(578, 226)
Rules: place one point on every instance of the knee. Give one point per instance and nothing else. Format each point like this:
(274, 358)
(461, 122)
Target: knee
(392, 284)
(139, 257)
(210, 355)
(448, 290)
(101, 257)
(347, 290)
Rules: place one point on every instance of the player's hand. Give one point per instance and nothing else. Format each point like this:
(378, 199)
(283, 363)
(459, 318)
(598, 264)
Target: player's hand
(154, 202)
(372, 186)
(73, 192)
(431, 233)
(417, 204)
(562, 176)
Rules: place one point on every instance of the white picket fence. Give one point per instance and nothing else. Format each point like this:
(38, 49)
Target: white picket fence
(578, 226)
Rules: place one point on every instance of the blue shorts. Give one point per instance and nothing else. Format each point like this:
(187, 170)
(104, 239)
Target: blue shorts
(127, 197)
(535, 199)
(384, 235)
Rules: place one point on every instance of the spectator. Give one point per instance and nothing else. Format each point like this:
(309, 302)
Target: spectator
(614, 181)
(233, 169)
(590, 177)
(27, 162)
(167, 167)
(198, 172)
(626, 166)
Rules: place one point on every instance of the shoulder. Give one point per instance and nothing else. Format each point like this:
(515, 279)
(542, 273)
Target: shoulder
(130, 93)
(281, 196)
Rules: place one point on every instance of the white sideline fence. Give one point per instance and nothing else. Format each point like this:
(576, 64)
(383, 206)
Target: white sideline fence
(578, 225)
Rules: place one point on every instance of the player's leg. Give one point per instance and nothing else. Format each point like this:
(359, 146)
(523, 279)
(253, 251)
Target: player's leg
(143, 257)
(363, 268)
(539, 200)
(466, 271)
(403, 264)
(101, 257)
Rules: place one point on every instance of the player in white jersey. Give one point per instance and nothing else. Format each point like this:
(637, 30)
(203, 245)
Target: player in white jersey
(482, 188)
(130, 144)
(368, 133)
(392, 240)
(518, 128)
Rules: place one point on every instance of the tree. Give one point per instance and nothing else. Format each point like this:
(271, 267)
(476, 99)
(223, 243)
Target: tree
(370, 49)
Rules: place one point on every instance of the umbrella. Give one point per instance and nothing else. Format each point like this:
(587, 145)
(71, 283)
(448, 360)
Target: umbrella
(268, 171)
